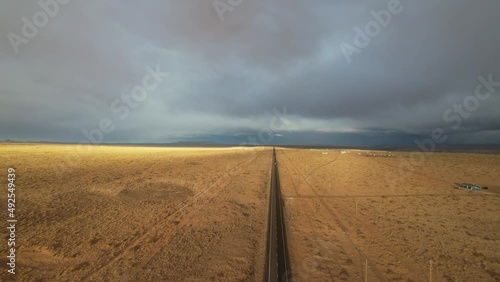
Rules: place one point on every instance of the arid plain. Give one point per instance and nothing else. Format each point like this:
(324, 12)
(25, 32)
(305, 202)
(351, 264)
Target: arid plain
(408, 214)
(139, 213)
(116, 213)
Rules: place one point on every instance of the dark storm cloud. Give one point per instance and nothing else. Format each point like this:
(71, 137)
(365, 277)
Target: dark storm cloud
(227, 76)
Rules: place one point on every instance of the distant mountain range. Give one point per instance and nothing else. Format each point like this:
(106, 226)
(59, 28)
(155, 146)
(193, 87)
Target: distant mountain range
(173, 144)
(478, 148)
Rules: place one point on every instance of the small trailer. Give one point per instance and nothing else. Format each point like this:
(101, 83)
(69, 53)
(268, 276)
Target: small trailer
(469, 186)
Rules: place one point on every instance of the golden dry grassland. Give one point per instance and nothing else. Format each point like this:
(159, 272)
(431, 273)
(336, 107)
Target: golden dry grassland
(117, 213)
(138, 213)
(407, 215)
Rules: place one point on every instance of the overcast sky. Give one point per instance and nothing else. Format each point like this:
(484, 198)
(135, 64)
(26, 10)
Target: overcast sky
(266, 71)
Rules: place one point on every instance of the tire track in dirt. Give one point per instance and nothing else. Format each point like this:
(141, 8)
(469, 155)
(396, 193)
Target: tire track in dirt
(382, 244)
(347, 243)
(484, 194)
(309, 219)
(414, 269)
(424, 176)
(293, 185)
(408, 170)
(323, 165)
(179, 239)
(153, 228)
